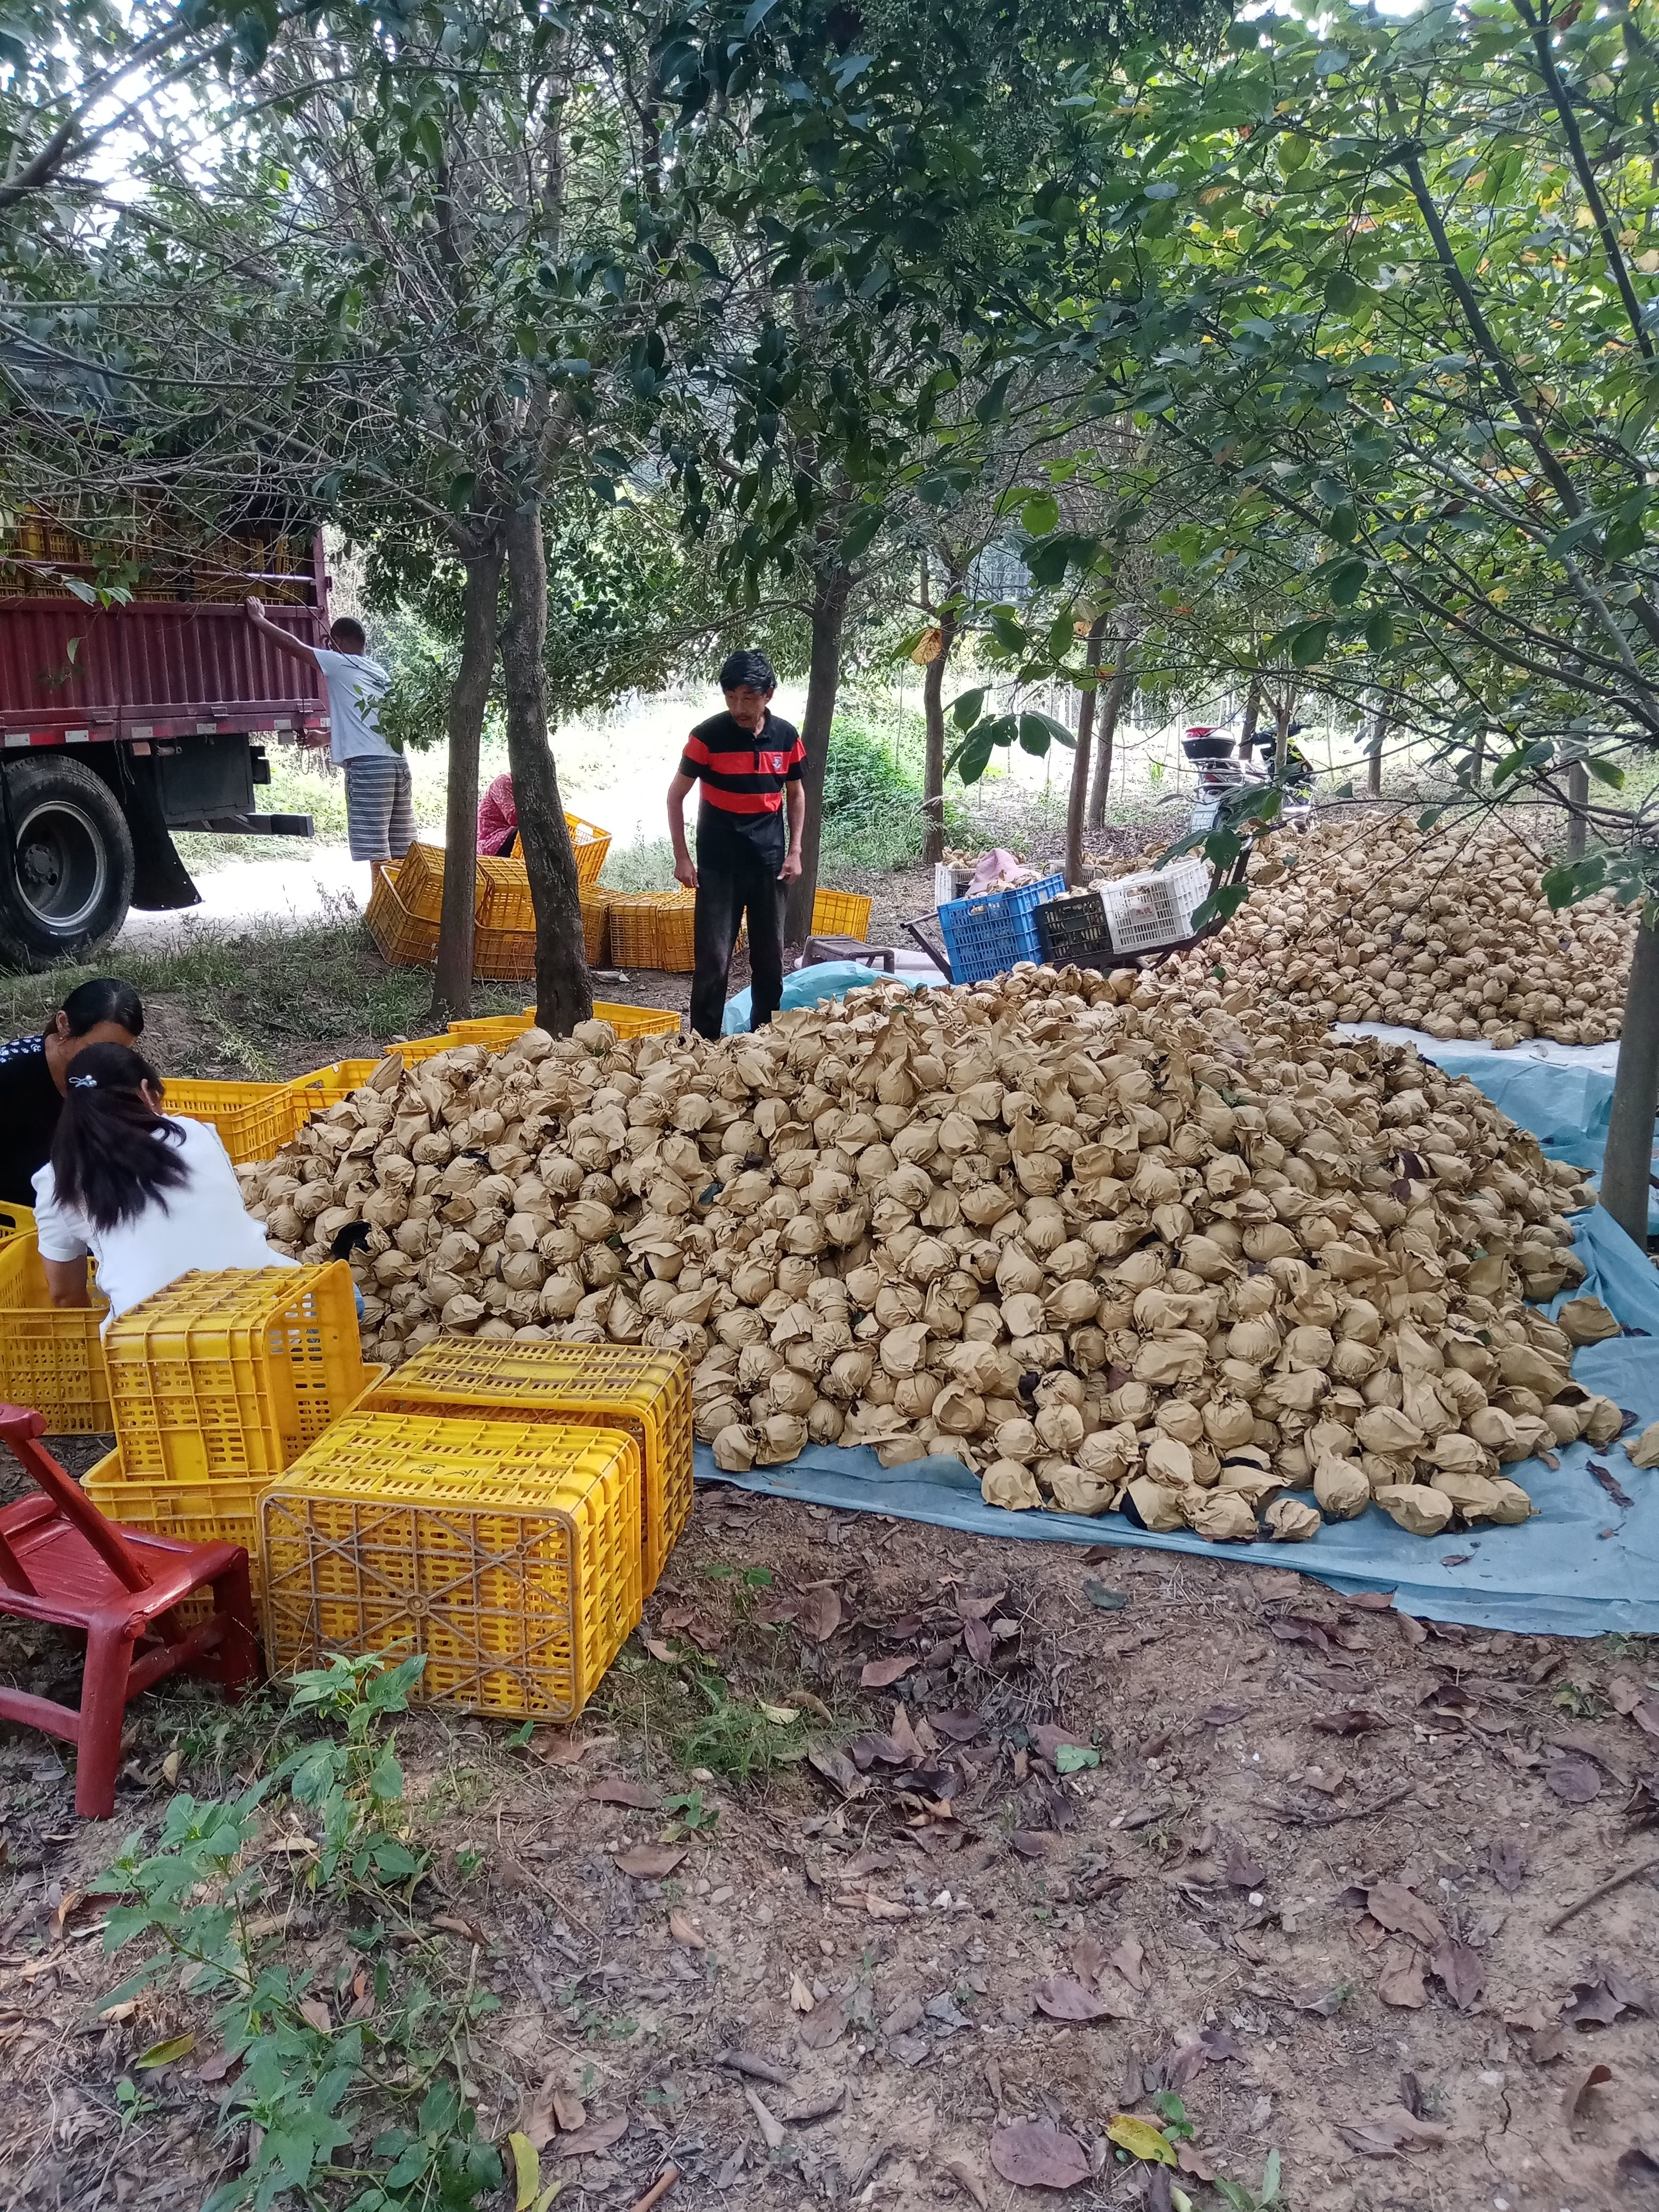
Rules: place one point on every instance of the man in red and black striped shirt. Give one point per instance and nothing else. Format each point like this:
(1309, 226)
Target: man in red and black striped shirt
(749, 763)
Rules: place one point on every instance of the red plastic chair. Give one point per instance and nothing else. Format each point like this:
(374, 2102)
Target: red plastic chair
(62, 1562)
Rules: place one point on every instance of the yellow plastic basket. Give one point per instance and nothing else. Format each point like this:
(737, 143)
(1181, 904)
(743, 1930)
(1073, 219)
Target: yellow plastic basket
(219, 1512)
(502, 956)
(840, 914)
(16, 1220)
(419, 878)
(254, 1120)
(51, 1357)
(504, 896)
(654, 929)
(511, 1563)
(596, 926)
(645, 1394)
(233, 1374)
(637, 1021)
(592, 846)
(403, 938)
(492, 1030)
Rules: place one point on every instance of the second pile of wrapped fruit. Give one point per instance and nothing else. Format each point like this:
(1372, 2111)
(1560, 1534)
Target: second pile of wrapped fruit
(1114, 1246)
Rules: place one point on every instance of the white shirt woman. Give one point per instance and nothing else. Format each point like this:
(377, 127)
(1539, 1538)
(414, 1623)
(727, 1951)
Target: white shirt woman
(146, 1197)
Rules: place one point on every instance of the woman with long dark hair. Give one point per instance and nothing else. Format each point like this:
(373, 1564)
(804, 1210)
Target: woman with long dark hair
(145, 1196)
(34, 1073)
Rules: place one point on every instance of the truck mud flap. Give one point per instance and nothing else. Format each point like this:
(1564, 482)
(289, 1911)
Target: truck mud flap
(161, 880)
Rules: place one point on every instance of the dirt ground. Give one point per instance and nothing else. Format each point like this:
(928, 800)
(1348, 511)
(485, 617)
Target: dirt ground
(1303, 1871)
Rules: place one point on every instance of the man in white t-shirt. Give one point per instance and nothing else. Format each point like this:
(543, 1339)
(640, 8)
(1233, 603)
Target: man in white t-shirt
(379, 810)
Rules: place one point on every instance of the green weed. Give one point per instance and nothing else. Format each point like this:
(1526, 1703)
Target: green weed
(362, 2103)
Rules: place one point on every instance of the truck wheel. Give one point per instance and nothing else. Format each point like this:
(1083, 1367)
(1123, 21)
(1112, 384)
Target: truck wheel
(66, 884)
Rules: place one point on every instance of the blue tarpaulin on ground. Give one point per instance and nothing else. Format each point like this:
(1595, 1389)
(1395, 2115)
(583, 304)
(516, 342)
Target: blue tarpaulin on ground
(1583, 1566)
(829, 979)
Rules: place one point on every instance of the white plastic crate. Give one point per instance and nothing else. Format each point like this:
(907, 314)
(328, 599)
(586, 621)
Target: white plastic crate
(1156, 907)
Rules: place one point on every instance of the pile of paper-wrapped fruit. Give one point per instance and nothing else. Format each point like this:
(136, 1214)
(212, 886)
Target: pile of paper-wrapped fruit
(1449, 931)
(1115, 1247)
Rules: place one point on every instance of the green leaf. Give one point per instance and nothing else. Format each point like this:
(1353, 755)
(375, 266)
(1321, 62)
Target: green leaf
(1606, 772)
(526, 2159)
(1379, 629)
(1342, 291)
(1038, 732)
(1308, 643)
(964, 711)
(1040, 514)
(861, 533)
(1346, 581)
(1002, 730)
(1073, 1758)
(163, 2054)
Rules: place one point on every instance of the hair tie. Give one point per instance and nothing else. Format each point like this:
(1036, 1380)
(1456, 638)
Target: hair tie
(83, 1082)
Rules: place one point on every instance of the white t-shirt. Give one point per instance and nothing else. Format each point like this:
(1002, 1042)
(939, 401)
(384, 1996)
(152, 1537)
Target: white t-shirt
(356, 686)
(200, 1222)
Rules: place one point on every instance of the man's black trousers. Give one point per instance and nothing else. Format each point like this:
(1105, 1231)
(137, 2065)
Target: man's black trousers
(738, 874)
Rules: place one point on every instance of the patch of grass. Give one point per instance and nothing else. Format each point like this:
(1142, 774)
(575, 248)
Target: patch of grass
(735, 1741)
(647, 864)
(263, 1002)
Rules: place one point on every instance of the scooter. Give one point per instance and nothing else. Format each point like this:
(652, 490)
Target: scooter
(1225, 766)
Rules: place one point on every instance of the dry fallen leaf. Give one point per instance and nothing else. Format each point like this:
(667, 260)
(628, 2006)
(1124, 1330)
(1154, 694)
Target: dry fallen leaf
(664, 1653)
(1579, 2087)
(772, 2132)
(1507, 1862)
(215, 2066)
(817, 2105)
(882, 1674)
(568, 2111)
(1061, 1998)
(1036, 2154)
(1459, 1966)
(779, 1716)
(650, 1861)
(801, 1997)
(597, 2135)
(967, 2180)
(680, 1927)
(1574, 1779)
(820, 1613)
(613, 1790)
(1140, 2139)
(1130, 1959)
(1392, 2132)
(1403, 1913)
(314, 2010)
(1401, 1983)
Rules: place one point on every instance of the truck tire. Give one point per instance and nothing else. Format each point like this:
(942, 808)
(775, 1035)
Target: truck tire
(66, 866)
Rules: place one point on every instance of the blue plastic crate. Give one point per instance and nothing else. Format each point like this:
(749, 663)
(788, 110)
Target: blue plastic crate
(986, 936)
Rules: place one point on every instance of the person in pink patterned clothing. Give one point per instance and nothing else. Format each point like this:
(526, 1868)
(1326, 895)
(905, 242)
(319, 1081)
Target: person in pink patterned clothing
(498, 818)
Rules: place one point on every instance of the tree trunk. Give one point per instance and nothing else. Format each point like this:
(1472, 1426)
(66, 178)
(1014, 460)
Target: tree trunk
(1118, 692)
(1629, 1160)
(1284, 715)
(822, 679)
(933, 768)
(452, 976)
(1252, 716)
(1077, 797)
(1578, 798)
(563, 994)
(1379, 738)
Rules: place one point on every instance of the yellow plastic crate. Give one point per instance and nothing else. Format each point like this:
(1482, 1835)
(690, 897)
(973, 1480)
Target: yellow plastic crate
(645, 1393)
(840, 914)
(654, 929)
(637, 1021)
(254, 1120)
(51, 1357)
(592, 845)
(233, 1374)
(420, 883)
(502, 956)
(493, 1031)
(16, 1220)
(511, 1562)
(596, 926)
(402, 938)
(219, 1512)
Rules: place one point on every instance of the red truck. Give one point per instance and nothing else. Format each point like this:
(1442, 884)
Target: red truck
(121, 723)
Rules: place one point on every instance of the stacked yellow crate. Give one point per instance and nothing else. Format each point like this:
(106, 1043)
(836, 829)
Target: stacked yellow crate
(508, 1558)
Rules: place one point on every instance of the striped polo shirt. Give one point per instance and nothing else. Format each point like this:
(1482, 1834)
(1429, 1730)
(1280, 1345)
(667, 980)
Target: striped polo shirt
(743, 772)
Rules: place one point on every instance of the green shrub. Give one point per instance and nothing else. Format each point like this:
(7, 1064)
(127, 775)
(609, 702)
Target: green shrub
(873, 815)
